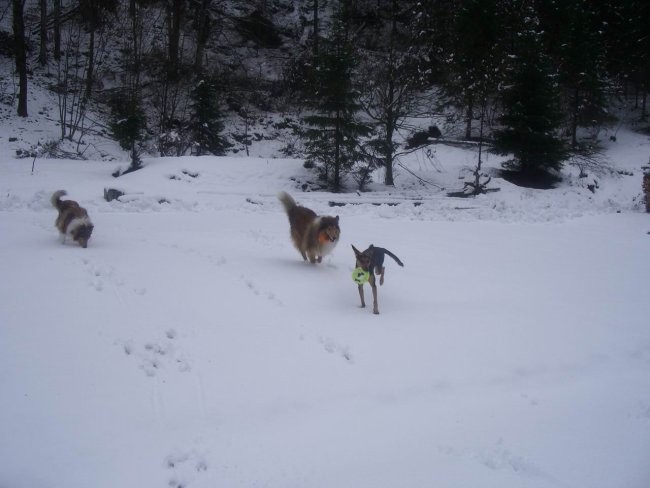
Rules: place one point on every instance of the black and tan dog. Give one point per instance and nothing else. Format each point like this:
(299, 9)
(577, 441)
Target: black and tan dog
(73, 220)
(313, 235)
(372, 261)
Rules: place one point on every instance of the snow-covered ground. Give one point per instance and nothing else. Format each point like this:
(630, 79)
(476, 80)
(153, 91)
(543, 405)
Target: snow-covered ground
(190, 346)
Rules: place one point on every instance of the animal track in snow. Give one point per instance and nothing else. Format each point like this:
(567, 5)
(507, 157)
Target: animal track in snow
(256, 291)
(100, 276)
(501, 458)
(333, 347)
(530, 400)
(643, 411)
(188, 251)
(185, 175)
(153, 357)
(185, 468)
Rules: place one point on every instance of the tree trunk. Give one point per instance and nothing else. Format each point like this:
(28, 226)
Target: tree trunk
(388, 161)
(390, 126)
(469, 115)
(390, 113)
(57, 29)
(21, 55)
(574, 117)
(42, 54)
(477, 170)
(91, 61)
(315, 28)
(133, 13)
(202, 34)
(337, 152)
(174, 14)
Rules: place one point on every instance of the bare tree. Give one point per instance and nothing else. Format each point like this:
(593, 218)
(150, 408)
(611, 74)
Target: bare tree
(56, 14)
(72, 81)
(21, 54)
(315, 27)
(390, 95)
(42, 53)
(203, 25)
(93, 14)
(175, 15)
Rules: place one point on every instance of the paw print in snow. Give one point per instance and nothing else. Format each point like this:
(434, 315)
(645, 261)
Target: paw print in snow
(154, 357)
(186, 467)
(256, 291)
(333, 348)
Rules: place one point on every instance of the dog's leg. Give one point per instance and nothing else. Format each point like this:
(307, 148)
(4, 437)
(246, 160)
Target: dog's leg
(381, 275)
(375, 307)
(319, 259)
(363, 302)
(302, 251)
(312, 258)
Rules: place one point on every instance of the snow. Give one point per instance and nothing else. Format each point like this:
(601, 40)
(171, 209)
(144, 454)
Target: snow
(189, 345)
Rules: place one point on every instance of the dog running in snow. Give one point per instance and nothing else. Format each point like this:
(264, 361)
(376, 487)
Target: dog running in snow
(372, 261)
(313, 235)
(72, 221)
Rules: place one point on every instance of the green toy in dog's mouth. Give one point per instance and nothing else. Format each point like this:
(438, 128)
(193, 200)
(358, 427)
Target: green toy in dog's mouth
(359, 276)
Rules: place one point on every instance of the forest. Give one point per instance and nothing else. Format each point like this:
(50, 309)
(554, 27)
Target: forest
(356, 82)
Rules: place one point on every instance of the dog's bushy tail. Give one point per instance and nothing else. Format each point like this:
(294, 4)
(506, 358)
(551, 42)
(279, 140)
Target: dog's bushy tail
(287, 201)
(394, 257)
(56, 198)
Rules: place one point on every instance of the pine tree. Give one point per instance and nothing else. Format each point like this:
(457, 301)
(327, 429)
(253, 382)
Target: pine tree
(332, 137)
(206, 122)
(128, 124)
(576, 38)
(640, 52)
(474, 54)
(532, 115)
(431, 24)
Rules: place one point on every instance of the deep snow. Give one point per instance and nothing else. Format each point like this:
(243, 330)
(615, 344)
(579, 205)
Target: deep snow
(189, 345)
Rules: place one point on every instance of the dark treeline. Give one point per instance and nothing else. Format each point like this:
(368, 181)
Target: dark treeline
(533, 79)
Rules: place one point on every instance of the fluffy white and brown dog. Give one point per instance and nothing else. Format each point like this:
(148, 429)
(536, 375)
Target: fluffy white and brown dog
(313, 235)
(72, 221)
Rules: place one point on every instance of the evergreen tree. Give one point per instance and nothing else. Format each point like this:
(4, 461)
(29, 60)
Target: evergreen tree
(128, 124)
(576, 37)
(474, 54)
(639, 27)
(431, 24)
(532, 114)
(333, 133)
(206, 123)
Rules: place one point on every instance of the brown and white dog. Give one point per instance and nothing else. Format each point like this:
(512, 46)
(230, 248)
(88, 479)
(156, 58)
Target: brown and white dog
(73, 220)
(313, 235)
(372, 261)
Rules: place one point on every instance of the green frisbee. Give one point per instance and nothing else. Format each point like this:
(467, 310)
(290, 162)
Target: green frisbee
(359, 276)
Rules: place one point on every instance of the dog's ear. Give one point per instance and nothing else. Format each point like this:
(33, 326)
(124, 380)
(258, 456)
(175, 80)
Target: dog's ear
(356, 251)
(371, 246)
